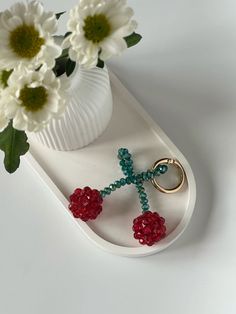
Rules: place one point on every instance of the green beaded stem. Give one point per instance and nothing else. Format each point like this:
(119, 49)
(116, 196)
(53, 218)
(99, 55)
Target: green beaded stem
(126, 164)
(128, 170)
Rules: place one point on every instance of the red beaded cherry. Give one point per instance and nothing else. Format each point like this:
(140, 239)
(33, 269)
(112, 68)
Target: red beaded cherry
(149, 228)
(86, 203)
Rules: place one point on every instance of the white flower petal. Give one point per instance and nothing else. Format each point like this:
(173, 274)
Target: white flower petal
(73, 55)
(49, 77)
(53, 105)
(4, 35)
(50, 25)
(41, 116)
(66, 42)
(19, 9)
(11, 108)
(29, 18)
(53, 50)
(36, 7)
(113, 46)
(5, 16)
(19, 122)
(14, 22)
(3, 121)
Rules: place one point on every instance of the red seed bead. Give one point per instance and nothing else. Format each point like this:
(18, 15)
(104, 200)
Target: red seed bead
(86, 203)
(149, 228)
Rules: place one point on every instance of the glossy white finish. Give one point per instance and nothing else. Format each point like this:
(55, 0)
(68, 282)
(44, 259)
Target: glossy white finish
(88, 112)
(97, 166)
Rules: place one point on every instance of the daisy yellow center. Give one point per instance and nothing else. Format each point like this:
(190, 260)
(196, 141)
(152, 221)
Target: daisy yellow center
(96, 28)
(4, 76)
(25, 41)
(33, 99)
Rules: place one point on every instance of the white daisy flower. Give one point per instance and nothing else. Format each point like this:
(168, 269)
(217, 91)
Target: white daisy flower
(26, 36)
(98, 29)
(32, 98)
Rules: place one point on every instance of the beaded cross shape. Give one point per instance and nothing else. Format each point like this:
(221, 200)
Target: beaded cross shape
(149, 227)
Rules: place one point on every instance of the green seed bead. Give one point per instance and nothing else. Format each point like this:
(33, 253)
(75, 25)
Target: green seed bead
(134, 181)
(145, 207)
(139, 186)
(151, 175)
(132, 178)
(164, 169)
(139, 178)
(138, 183)
(122, 152)
(112, 187)
(108, 191)
(127, 156)
(122, 163)
(128, 173)
(129, 162)
(128, 180)
(118, 184)
(140, 191)
(157, 172)
(143, 195)
(144, 201)
(143, 175)
(123, 181)
(103, 194)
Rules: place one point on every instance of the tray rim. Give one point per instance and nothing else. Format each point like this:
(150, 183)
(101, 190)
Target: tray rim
(89, 233)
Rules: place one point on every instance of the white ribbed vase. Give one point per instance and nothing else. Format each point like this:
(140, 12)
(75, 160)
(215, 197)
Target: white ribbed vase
(87, 115)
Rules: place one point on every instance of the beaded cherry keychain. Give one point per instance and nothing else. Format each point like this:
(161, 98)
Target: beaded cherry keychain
(149, 227)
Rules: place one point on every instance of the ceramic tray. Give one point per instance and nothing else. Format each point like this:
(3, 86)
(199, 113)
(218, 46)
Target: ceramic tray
(97, 166)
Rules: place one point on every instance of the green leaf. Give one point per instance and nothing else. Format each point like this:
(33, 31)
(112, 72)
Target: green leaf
(132, 39)
(14, 144)
(58, 15)
(100, 63)
(58, 39)
(70, 66)
(67, 34)
(65, 54)
(60, 65)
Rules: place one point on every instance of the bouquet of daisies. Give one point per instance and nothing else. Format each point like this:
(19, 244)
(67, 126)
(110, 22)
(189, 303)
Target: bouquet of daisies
(34, 66)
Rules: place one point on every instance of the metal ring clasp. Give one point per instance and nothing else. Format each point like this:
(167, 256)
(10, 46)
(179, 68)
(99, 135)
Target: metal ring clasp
(177, 164)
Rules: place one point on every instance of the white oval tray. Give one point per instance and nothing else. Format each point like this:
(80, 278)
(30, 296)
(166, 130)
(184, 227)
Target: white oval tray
(97, 166)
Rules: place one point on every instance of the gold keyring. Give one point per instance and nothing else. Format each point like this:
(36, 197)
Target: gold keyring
(169, 161)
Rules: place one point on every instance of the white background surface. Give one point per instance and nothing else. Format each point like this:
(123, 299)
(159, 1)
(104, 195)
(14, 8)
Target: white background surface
(184, 74)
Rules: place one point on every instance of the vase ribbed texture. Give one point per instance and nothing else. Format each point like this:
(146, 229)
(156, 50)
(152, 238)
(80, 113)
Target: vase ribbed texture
(88, 112)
